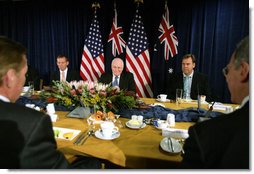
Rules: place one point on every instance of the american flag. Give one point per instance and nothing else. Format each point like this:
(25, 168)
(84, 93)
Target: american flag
(167, 36)
(118, 44)
(92, 64)
(138, 58)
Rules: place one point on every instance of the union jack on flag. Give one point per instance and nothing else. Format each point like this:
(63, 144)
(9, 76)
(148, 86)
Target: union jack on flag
(167, 36)
(92, 64)
(138, 58)
(117, 41)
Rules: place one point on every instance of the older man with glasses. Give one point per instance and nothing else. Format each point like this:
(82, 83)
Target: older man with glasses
(223, 142)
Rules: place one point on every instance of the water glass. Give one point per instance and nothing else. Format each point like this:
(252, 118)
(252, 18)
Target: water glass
(31, 87)
(179, 96)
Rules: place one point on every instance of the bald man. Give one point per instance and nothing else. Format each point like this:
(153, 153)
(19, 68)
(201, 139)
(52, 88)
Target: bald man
(124, 80)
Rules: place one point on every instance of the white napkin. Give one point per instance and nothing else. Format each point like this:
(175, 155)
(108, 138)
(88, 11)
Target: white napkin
(175, 133)
(220, 106)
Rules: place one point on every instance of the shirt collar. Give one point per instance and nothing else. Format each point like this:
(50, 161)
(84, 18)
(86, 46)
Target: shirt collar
(117, 76)
(190, 76)
(65, 71)
(5, 99)
(245, 100)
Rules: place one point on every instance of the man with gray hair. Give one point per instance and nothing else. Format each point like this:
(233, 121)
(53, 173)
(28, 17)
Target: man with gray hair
(223, 142)
(124, 80)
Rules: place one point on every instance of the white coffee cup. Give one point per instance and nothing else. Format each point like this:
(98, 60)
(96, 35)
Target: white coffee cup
(134, 117)
(162, 124)
(140, 119)
(202, 98)
(162, 97)
(53, 117)
(108, 129)
(50, 108)
(171, 120)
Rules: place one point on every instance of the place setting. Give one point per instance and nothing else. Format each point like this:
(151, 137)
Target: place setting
(136, 122)
(162, 98)
(107, 131)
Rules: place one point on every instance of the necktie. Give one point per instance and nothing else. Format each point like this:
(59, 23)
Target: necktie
(62, 76)
(186, 87)
(115, 82)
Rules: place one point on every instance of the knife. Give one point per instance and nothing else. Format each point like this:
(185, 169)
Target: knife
(77, 141)
(171, 144)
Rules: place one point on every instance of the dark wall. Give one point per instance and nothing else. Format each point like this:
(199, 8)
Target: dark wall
(209, 29)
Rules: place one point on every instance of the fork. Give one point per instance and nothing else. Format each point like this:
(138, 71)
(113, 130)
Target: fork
(81, 137)
(88, 135)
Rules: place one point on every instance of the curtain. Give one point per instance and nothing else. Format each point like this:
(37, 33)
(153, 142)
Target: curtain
(209, 29)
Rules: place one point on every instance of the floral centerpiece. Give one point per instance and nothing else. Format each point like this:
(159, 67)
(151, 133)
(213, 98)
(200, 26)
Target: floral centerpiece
(95, 95)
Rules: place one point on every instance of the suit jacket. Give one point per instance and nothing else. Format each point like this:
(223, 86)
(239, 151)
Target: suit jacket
(29, 141)
(222, 142)
(200, 85)
(126, 80)
(33, 75)
(71, 75)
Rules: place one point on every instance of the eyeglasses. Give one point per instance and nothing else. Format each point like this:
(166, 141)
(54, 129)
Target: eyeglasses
(225, 70)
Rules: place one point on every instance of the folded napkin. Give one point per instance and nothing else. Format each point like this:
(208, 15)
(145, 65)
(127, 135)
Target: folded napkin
(220, 106)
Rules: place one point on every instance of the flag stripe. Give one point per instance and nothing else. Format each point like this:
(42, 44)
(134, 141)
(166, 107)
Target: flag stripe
(141, 76)
(90, 66)
(92, 63)
(138, 58)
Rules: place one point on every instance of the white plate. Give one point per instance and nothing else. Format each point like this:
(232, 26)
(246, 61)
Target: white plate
(99, 135)
(135, 126)
(165, 145)
(159, 100)
(63, 131)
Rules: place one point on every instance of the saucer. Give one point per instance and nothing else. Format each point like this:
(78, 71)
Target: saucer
(99, 135)
(165, 145)
(159, 100)
(135, 126)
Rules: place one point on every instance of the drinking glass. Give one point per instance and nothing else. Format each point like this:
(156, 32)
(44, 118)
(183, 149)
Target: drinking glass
(179, 96)
(31, 87)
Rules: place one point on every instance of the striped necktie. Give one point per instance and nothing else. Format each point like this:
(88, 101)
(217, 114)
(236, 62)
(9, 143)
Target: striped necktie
(186, 92)
(115, 82)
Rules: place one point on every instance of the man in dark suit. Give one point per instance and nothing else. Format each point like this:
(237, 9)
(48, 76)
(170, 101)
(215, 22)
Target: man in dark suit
(33, 75)
(27, 138)
(192, 82)
(118, 77)
(223, 142)
(64, 73)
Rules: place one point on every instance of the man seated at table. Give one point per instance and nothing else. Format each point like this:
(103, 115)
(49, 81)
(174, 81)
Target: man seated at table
(64, 73)
(223, 142)
(27, 138)
(124, 80)
(192, 82)
(33, 75)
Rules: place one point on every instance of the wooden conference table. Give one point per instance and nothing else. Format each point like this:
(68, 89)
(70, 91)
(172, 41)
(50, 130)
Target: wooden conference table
(135, 148)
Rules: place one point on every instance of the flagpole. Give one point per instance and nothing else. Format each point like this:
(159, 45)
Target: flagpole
(138, 2)
(96, 5)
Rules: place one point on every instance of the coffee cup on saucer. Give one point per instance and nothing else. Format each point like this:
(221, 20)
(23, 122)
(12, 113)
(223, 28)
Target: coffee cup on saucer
(108, 129)
(162, 124)
(162, 97)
